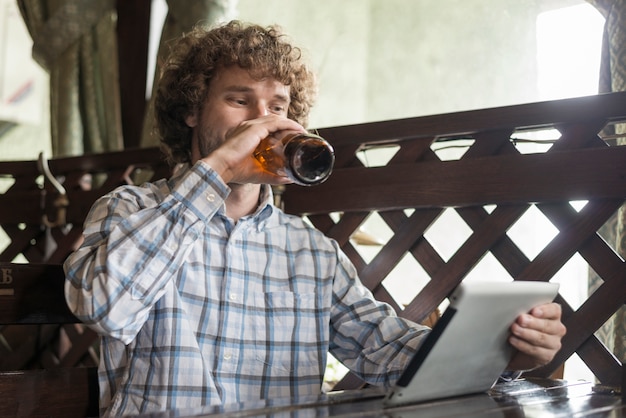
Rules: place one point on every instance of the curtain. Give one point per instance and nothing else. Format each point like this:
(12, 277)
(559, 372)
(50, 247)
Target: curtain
(75, 41)
(613, 78)
(183, 15)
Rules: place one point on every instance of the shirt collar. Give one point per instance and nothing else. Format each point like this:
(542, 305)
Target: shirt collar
(266, 204)
(262, 216)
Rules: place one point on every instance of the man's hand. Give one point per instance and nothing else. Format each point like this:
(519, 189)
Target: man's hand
(537, 337)
(233, 160)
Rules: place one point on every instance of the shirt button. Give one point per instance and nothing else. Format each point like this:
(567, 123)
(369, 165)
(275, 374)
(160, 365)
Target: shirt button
(227, 356)
(233, 296)
(210, 197)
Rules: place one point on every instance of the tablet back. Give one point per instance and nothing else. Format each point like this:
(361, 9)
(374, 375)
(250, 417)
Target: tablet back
(467, 349)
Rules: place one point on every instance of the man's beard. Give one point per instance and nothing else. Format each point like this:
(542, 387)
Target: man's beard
(207, 141)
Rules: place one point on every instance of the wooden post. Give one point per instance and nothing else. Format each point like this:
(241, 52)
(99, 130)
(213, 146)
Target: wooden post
(133, 30)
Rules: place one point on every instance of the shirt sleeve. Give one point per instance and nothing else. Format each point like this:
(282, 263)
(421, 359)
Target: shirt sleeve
(135, 240)
(367, 336)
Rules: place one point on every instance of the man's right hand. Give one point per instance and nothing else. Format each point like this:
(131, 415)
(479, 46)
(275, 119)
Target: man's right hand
(234, 161)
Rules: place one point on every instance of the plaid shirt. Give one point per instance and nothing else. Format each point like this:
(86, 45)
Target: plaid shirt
(196, 310)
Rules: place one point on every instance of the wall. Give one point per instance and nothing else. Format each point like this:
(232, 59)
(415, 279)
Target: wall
(399, 58)
(385, 59)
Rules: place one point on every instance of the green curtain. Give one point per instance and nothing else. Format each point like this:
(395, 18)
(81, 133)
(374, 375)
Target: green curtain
(181, 17)
(613, 78)
(76, 42)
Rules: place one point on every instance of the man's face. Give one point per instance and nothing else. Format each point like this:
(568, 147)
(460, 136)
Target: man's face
(234, 97)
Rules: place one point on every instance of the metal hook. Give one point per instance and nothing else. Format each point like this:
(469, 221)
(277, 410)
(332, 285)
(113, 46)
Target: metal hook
(61, 202)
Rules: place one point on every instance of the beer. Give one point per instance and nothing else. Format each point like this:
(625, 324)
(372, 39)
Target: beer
(307, 159)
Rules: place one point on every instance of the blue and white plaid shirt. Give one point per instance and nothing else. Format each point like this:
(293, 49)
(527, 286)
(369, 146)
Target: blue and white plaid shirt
(196, 310)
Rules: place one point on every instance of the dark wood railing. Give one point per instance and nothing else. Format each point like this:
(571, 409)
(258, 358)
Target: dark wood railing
(33, 314)
(490, 186)
(580, 165)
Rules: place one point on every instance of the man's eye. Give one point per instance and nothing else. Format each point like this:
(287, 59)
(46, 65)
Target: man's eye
(238, 101)
(277, 109)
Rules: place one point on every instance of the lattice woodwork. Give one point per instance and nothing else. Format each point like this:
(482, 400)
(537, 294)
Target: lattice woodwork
(490, 187)
(42, 219)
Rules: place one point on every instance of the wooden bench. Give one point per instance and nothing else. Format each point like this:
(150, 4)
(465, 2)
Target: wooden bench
(33, 294)
(53, 198)
(490, 187)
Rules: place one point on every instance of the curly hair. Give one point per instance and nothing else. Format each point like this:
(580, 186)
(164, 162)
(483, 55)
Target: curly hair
(196, 57)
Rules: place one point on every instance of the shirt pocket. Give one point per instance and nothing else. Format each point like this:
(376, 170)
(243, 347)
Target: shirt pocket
(289, 330)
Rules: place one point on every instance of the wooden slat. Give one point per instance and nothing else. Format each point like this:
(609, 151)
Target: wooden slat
(63, 392)
(566, 175)
(33, 294)
(602, 107)
(133, 29)
(391, 253)
(18, 168)
(107, 161)
(30, 204)
(570, 239)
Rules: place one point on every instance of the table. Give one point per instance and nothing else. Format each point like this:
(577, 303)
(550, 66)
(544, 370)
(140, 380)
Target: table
(526, 398)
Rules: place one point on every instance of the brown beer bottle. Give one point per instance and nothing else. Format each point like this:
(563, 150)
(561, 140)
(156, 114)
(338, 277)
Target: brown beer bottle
(307, 159)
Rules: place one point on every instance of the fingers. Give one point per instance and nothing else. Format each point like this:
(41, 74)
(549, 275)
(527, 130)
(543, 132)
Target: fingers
(542, 325)
(538, 345)
(547, 311)
(538, 334)
(233, 160)
(252, 131)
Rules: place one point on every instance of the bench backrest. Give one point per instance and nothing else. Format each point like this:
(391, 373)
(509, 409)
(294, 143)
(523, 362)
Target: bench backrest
(490, 187)
(59, 392)
(42, 208)
(32, 294)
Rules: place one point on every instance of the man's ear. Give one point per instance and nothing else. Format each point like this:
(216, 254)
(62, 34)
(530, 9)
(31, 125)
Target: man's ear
(192, 119)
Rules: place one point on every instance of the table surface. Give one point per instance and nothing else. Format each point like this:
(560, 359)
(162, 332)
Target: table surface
(521, 398)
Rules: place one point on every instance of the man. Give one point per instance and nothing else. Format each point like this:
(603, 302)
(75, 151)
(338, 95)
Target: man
(203, 291)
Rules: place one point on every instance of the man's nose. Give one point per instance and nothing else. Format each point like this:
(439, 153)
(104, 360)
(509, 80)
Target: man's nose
(260, 110)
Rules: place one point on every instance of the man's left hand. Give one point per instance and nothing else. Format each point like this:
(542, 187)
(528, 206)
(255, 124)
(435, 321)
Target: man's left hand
(537, 337)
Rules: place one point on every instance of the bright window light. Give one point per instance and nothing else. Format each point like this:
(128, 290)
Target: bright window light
(569, 44)
(568, 51)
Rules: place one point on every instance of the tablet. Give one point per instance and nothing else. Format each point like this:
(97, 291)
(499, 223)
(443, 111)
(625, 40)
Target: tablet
(467, 349)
